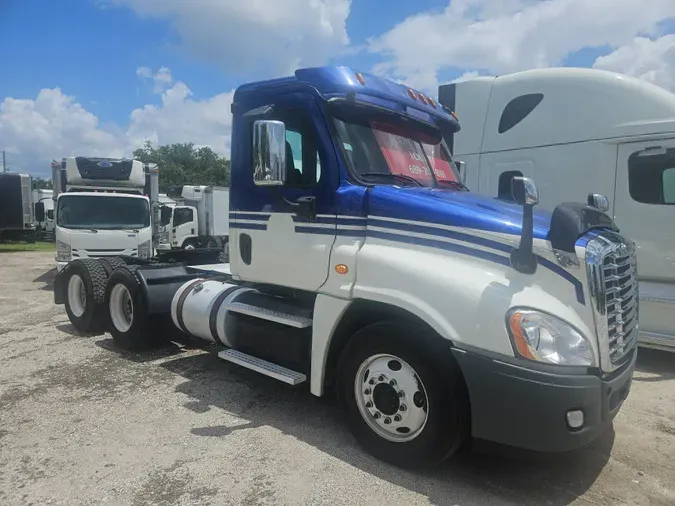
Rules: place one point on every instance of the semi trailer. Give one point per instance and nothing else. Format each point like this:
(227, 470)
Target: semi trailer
(435, 314)
(578, 131)
(17, 219)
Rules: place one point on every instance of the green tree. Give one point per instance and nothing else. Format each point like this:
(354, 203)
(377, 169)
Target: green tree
(41, 184)
(183, 163)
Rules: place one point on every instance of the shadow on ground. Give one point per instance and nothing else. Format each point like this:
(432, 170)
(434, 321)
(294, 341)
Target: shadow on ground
(47, 279)
(659, 364)
(487, 475)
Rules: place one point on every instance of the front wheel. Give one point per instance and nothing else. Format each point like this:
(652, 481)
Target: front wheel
(400, 406)
(84, 295)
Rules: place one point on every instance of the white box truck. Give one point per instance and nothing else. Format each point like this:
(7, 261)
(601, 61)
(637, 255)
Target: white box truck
(198, 218)
(578, 131)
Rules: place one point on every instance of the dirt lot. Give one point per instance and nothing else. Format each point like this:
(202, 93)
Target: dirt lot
(83, 423)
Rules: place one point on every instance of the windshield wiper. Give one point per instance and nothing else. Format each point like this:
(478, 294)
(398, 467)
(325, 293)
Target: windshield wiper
(389, 175)
(454, 184)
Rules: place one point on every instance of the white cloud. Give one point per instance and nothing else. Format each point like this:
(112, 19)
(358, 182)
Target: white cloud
(510, 35)
(265, 37)
(651, 60)
(53, 125)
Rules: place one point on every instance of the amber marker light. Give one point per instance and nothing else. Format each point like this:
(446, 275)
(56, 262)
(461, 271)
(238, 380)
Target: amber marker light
(341, 269)
(519, 339)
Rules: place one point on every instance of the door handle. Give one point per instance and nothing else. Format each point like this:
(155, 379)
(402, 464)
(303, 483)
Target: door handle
(304, 207)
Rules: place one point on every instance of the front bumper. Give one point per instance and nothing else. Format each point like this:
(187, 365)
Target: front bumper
(526, 408)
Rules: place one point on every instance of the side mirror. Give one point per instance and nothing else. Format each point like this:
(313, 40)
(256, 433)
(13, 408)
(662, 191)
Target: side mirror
(165, 215)
(600, 202)
(461, 168)
(269, 153)
(526, 194)
(40, 212)
(524, 191)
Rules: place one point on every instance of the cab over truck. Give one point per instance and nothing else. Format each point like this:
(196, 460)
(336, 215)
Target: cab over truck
(436, 314)
(578, 131)
(197, 218)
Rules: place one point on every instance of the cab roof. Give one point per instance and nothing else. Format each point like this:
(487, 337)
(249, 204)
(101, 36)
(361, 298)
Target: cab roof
(337, 82)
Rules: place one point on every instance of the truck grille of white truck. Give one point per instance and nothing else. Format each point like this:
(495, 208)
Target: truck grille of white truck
(612, 275)
(98, 253)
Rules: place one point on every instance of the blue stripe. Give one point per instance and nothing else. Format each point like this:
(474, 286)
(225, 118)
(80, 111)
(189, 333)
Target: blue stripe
(578, 287)
(248, 226)
(433, 243)
(249, 216)
(451, 234)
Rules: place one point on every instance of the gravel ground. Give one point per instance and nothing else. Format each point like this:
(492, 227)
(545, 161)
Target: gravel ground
(83, 423)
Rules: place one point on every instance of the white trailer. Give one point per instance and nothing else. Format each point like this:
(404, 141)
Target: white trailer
(577, 131)
(44, 219)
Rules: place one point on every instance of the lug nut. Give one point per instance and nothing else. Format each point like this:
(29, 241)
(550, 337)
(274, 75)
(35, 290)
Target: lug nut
(377, 416)
(367, 391)
(397, 418)
(387, 421)
(381, 378)
(392, 382)
(372, 381)
(401, 393)
(369, 404)
(402, 408)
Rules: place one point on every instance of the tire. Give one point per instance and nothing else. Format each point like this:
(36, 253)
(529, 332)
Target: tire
(433, 434)
(190, 244)
(132, 329)
(87, 313)
(211, 242)
(110, 264)
(224, 256)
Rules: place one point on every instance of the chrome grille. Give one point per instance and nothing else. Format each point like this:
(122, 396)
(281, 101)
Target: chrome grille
(612, 275)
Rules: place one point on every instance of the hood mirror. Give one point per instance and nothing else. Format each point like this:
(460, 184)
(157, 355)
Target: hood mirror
(525, 193)
(461, 168)
(600, 202)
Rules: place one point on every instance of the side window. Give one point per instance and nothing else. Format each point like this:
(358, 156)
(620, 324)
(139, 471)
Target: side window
(181, 215)
(651, 177)
(50, 214)
(504, 189)
(303, 165)
(517, 110)
(668, 182)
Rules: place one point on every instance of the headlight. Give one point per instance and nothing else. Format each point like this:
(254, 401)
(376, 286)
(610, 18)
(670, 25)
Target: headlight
(62, 252)
(145, 249)
(545, 338)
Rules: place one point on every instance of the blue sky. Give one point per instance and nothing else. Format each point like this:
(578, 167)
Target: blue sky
(91, 49)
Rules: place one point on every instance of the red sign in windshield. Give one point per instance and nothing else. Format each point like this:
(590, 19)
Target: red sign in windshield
(406, 156)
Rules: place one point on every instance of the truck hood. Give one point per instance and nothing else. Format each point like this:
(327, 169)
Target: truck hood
(454, 208)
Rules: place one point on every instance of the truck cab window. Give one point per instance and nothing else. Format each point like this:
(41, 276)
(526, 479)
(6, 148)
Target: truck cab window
(651, 177)
(181, 216)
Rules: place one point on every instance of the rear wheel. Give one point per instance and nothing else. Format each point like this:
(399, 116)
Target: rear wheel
(190, 244)
(131, 327)
(401, 406)
(85, 295)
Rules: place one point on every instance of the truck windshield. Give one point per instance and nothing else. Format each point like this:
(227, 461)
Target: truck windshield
(386, 151)
(101, 212)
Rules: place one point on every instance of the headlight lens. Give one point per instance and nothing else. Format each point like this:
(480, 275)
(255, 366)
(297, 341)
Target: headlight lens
(545, 338)
(62, 252)
(145, 249)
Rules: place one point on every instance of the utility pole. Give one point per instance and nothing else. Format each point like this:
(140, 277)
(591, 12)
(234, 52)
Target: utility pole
(4, 162)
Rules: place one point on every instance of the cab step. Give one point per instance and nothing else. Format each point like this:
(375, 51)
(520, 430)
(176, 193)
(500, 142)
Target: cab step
(263, 367)
(270, 314)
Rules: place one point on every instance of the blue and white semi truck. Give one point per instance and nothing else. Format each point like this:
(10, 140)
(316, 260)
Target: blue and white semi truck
(360, 262)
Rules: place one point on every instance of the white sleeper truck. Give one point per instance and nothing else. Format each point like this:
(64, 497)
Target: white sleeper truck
(578, 131)
(198, 218)
(435, 314)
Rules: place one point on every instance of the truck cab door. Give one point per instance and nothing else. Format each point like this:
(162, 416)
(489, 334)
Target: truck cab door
(644, 210)
(283, 235)
(184, 225)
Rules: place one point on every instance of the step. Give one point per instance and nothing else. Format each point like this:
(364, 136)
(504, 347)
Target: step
(263, 366)
(272, 315)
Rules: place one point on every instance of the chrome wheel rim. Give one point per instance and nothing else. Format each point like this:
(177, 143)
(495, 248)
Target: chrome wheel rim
(391, 398)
